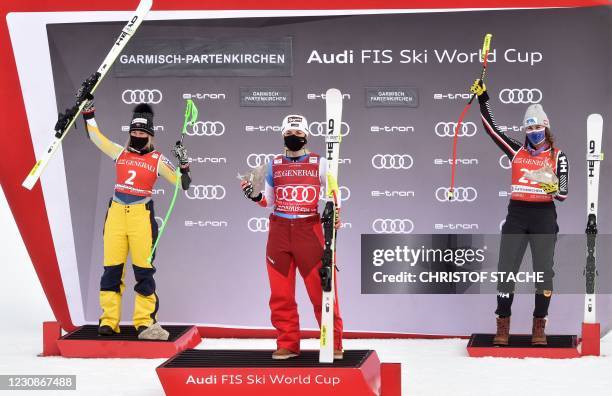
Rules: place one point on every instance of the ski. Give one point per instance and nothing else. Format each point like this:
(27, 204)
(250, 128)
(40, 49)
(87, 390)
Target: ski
(66, 120)
(594, 157)
(333, 109)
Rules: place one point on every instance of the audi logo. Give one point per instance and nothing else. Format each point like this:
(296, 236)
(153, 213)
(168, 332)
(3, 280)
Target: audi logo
(258, 224)
(297, 194)
(133, 96)
(257, 160)
(392, 161)
(505, 162)
(320, 128)
(520, 95)
(206, 128)
(448, 129)
(395, 226)
(205, 192)
(345, 193)
(460, 194)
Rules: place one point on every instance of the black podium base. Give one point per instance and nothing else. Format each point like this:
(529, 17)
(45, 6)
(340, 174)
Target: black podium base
(559, 347)
(85, 342)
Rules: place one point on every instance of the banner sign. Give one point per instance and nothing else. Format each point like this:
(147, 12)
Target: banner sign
(182, 57)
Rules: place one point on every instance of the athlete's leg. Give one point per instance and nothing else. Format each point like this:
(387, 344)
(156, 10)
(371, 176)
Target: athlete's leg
(115, 256)
(281, 273)
(511, 251)
(308, 249)
(542, 241)
(142, 232)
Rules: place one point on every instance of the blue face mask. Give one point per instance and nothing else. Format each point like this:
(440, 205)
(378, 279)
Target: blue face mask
(536, 136)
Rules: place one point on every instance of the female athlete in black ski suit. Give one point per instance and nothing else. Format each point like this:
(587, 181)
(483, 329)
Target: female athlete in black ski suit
(532, 217)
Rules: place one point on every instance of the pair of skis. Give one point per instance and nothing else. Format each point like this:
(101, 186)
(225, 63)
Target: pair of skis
(67, 119)
(333, 137)
(594, 157)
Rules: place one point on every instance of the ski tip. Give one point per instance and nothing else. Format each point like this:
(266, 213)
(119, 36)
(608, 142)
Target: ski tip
(28, 183)
(595, 118)
(145, 5)
(32, 177)
(333, 92)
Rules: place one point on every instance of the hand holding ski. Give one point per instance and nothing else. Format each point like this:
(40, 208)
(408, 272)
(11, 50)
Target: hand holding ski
(83, 95)
(66, 120)
(89, 109)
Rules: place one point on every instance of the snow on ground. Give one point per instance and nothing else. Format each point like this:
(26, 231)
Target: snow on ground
(429, 367)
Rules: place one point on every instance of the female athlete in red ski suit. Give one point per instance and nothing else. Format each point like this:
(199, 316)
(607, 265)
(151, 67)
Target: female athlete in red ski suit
(295, 241)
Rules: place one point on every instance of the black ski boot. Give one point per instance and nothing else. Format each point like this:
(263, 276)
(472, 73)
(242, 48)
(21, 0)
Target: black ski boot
(105, 331)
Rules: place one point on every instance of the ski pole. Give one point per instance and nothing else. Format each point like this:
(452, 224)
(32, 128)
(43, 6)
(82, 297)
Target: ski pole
(485, 51)
(191, 116)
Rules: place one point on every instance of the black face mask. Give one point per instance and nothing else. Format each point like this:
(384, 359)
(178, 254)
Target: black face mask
(295, 143)
(138, 143)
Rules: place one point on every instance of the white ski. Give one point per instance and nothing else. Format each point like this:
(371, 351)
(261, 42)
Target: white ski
(66, 120)
(333, 107)
(593, 157)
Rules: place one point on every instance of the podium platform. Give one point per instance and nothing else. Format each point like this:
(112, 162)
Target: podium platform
(85, 342)
(559, 347)
(244, 372)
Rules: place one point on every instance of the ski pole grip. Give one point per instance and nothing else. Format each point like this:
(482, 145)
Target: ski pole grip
(486, 46)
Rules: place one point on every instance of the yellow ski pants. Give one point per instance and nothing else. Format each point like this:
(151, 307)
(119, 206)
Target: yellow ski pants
(128, 228)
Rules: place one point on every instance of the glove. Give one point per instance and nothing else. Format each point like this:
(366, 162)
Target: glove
(478, 87)
(180, 152)
(550, 188)
(84, 92)
(247, 188)
(89, 109)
